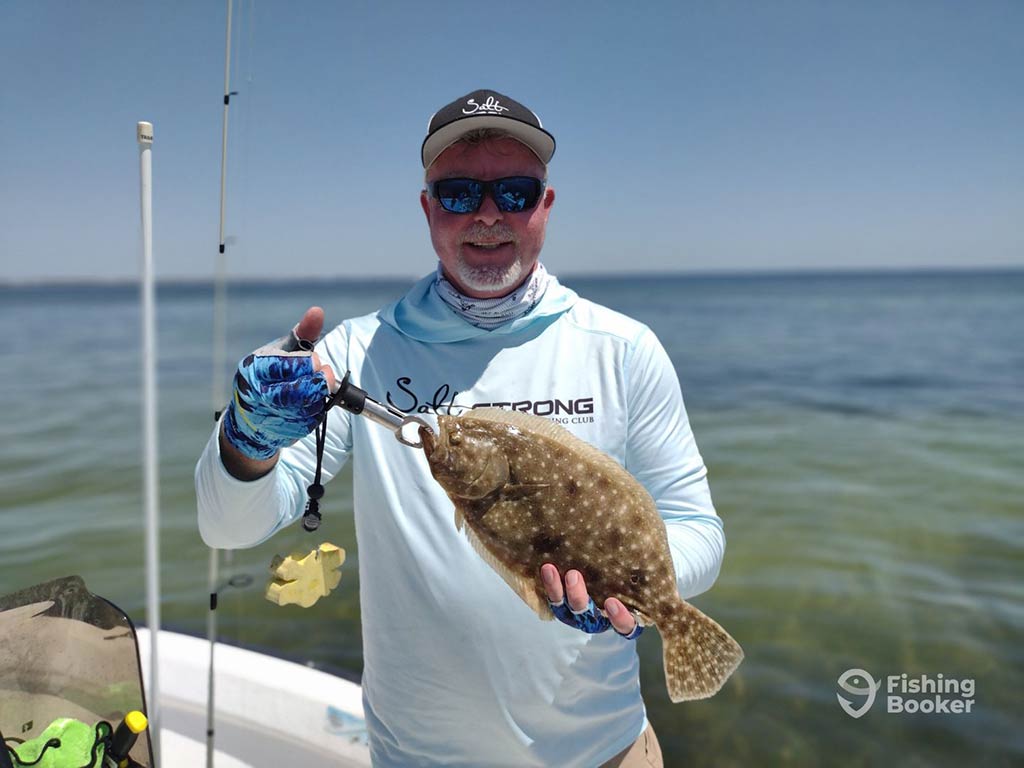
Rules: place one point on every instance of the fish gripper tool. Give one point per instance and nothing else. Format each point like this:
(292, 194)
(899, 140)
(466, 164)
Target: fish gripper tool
(355, 400)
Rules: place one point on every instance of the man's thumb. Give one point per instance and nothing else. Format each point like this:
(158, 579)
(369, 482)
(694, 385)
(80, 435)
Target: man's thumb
(311, 324)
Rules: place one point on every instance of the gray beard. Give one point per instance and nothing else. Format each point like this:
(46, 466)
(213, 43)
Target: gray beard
(490, 277)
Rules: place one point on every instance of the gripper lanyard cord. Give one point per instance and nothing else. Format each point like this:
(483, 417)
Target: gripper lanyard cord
(311, 518)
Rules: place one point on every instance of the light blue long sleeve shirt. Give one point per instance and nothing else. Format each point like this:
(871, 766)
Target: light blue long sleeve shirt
(488, 684)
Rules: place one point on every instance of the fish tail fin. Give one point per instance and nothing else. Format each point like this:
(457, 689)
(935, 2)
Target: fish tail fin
(699, 654)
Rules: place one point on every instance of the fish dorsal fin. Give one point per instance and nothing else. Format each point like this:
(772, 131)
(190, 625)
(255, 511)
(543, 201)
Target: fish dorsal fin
(538, 425)
(525, 588)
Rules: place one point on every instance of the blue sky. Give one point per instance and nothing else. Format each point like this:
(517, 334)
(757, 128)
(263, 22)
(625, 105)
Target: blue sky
(691, 136)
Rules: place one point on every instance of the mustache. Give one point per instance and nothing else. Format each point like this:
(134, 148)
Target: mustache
(499, 231)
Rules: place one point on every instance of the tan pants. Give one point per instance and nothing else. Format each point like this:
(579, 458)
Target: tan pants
(645, 752)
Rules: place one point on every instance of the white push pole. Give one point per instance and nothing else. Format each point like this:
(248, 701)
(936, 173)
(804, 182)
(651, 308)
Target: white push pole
(144, 135)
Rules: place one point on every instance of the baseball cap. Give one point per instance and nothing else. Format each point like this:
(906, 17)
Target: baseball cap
(485, 109)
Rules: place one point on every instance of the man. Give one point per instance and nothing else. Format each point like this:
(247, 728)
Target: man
(457, 669)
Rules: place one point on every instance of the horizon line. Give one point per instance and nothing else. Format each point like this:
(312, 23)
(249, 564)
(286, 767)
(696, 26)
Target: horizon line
(189, 280)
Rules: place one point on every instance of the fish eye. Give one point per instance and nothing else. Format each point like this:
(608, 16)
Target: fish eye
(455, 438)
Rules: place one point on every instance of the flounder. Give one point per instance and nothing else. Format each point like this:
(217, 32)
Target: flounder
(528, 492)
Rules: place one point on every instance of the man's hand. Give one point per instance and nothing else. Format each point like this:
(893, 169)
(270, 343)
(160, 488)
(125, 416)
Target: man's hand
(277, 399)
(573, 606)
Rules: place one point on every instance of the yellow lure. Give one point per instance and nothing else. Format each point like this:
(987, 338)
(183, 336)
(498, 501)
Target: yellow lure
(303, 579)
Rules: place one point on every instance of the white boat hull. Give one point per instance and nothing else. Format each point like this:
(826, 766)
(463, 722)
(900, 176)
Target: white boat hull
(269, 712)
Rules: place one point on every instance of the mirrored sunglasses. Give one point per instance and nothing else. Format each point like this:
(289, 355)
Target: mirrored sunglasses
(512, 194)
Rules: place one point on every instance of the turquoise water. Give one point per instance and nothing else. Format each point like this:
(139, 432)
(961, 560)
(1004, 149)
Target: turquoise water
(865, 441)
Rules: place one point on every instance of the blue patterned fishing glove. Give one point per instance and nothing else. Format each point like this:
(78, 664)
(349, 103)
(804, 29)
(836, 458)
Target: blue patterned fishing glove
(277, 399)
(589, 620)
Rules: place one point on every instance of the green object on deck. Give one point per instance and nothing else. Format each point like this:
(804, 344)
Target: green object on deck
(66, 743)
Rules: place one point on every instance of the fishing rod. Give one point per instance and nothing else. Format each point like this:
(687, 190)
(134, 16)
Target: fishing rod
(219, 355)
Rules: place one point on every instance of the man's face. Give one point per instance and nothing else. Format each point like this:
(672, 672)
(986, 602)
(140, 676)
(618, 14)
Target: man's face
(487, 253)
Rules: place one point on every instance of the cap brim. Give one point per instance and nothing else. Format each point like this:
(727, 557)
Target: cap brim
(540, 142)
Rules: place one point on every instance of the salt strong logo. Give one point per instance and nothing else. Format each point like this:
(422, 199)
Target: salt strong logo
(491, 105)
(579, 410)
(908, 695)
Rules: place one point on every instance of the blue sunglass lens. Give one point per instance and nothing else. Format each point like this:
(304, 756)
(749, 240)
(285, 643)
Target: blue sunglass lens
(515, 194)
(459, 195)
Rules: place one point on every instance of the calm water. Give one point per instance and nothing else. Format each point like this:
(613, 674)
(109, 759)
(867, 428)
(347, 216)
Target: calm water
(865, 441)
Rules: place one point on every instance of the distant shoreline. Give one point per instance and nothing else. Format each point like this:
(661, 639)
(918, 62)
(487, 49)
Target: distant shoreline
(568, 277)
